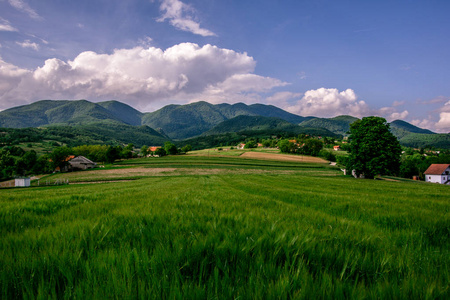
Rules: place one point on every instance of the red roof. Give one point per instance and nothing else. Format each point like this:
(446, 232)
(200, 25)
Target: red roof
(437, 169)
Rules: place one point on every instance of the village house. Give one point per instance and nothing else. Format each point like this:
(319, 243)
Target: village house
(153, 148)
(81, 162)
(438, 173)
(337, 148)
(241, 146)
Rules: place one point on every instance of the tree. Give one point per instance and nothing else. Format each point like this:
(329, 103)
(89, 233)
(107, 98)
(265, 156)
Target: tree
(170, 148)
(59, 157)
(186, 148)
(373, 148)
(144, 151)
(311, 147)
(160, 152)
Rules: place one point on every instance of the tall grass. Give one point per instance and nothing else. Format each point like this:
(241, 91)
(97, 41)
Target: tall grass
(257, 236)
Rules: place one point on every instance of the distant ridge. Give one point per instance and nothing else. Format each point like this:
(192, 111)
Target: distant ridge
(185, 121)
(180, 122)
(268, 125)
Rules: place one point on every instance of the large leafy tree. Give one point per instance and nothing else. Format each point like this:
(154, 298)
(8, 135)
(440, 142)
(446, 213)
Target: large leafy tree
(373, 148)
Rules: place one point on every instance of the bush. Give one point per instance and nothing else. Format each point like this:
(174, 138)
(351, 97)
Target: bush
(328, 155)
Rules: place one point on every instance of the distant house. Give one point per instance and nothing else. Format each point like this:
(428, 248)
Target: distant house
(81, 162)
(260, 145)
(241, 146)
(438, 173)
(153, 148)
(22, 182)
(337, 148)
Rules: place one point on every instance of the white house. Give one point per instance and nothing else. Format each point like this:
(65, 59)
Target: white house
(438, 173)
(22, 182)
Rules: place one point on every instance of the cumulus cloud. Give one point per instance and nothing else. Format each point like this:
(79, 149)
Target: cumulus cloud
(139, 76)
(329, 103)
(182, 16)
(391, 113)
(28, 44)
(443, 125)
(24, 7)
(5, 25)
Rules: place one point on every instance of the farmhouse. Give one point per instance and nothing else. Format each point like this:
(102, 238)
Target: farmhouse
(153, 148)
(438, 173)
(241, 146)
(337, 148)
(81, 162)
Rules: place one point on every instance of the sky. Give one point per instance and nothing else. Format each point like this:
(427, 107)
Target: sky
(322, 58)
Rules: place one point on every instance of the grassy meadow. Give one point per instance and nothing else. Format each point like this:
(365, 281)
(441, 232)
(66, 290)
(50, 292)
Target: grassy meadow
(224, 228)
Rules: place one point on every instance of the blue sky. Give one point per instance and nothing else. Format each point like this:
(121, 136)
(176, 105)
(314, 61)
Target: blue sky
(318, 57)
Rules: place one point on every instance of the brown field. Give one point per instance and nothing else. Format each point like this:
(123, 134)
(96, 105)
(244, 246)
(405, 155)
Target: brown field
(283, 157)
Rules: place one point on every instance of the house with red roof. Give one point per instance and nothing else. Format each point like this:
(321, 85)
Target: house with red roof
(438, 173)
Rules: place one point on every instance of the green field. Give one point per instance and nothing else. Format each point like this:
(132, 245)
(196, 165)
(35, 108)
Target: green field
(224, 228)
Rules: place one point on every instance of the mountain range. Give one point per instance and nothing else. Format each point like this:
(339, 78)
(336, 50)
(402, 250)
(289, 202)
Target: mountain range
(199, 119)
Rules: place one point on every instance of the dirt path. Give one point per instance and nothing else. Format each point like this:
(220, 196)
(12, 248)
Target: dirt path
(283, 157)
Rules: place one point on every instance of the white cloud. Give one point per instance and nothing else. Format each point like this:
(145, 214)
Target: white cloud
(391, 113)
(5, 25)
(142, 77)
(28, 44)
(438, 120)
(145, 42)
(329, 103)
(181, 16)
(24, 7)
(443, 125)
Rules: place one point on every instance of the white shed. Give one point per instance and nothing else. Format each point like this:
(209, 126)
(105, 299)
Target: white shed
(438, 173)
(23, 182)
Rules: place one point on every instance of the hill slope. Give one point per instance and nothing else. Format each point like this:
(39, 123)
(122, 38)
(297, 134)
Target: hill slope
(88, 134)
(185, 121)
(266, 125)
(47, 112)
(338, 125)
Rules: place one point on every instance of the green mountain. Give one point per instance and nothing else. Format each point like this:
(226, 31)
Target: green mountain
(339, 125)
(401, 129)
(106, 132)
(123, 112)
(264, 125)
(47, 112)
(198, 119)
(185, 121)
(423, 140)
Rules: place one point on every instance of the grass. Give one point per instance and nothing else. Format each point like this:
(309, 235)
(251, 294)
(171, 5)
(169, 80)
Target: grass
(261, 235)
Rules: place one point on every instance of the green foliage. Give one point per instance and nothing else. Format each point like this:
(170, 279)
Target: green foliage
(250, 144)
(97, 153)
(59, 157)
(374, 149)
(186, 148)
(170, 148)
(144, 151)
(285, 146)
(338, 125)
(160, 152)
(187, 121)
(328, 155)
(311, 147)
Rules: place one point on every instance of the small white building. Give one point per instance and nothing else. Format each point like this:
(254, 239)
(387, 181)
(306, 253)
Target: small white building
(22, 182)
(438, 173)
